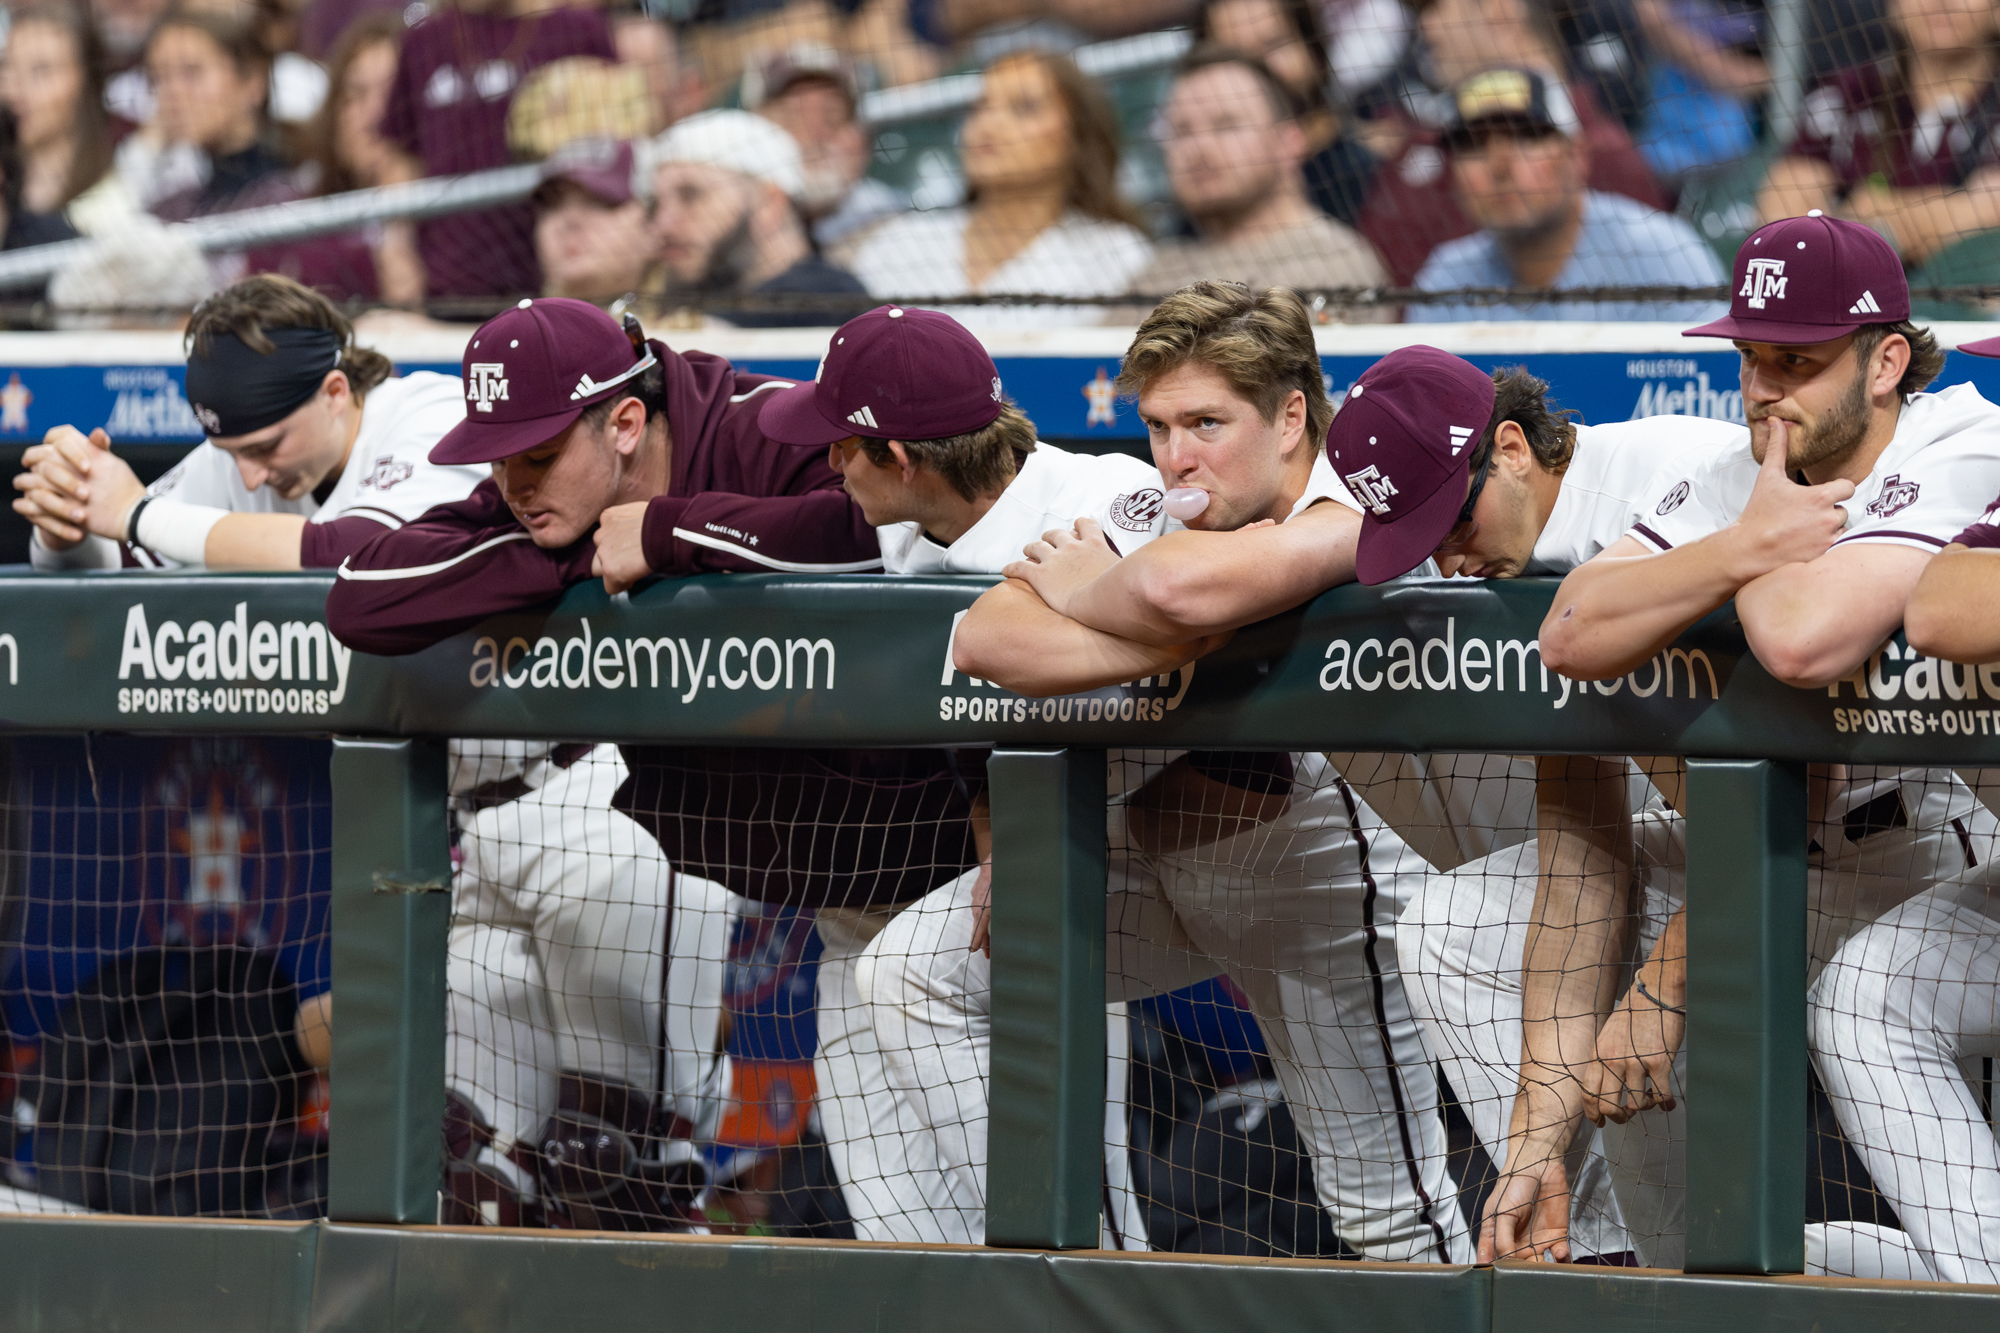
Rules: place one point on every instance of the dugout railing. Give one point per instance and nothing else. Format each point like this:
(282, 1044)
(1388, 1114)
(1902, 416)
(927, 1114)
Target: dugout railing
(770, 660)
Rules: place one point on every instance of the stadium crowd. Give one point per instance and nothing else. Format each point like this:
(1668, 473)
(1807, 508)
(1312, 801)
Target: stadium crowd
(1351, 144)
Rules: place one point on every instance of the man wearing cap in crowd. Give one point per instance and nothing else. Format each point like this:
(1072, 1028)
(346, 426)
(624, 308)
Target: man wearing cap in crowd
(1520, 167)
(1818, 522)
(1300, 912)
(591, 236)
(726, 224)
(951, 474)
(810, 92)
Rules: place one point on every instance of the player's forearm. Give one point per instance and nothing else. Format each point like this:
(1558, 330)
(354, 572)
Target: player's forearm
(1013, 639)
(1954, 613)
(1187, 584)
(1664, 973)
(1813, 623)
(1610, 616)
(255, 541)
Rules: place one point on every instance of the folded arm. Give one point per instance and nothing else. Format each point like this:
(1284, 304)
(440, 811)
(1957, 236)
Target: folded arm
(1954, 611)
(1616, 610)
(1814, 623)
(1013, 639)
(1187, 585)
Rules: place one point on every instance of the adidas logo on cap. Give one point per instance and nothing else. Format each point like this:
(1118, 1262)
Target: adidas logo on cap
(1865, 306)
(1459, 436)
(863, 418)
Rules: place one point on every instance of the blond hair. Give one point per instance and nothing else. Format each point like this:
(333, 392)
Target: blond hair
(1260, 341)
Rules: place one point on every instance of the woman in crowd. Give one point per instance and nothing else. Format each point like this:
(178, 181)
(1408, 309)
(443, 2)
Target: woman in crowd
(1286, 36)
(1904, 144)
(212, 75)
(52, 79)
(345, 151)
(1040, 150)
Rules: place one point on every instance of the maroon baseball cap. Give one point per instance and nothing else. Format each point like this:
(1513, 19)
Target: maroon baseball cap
(1811, 280)
(1403, 442)
(601, 168)
(531, 371)
(896, 374)
(1983, 347)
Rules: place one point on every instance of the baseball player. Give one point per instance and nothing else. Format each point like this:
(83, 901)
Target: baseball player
(1819, 568)
(1273, 866)
(1535, 492)
(966, 502)
(674, 479)
(1911, 1003)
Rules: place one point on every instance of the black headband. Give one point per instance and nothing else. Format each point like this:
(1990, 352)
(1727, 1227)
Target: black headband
(235, 389)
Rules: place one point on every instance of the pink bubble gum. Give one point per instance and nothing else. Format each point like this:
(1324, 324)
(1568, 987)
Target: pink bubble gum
(1185, 503)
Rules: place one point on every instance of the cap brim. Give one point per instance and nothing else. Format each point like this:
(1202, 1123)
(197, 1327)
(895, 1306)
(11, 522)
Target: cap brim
(1983, 347)
(1772, 331)
(473, 441)
(792, 416)
(1385, 551)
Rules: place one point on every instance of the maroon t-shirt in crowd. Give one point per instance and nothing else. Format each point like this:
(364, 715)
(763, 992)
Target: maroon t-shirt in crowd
(1411, 209)
(454, 82)
(1857, 125)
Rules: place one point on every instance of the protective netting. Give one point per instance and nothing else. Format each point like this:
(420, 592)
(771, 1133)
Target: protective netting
(788, 162)
(165, 915)
(1360, 1005)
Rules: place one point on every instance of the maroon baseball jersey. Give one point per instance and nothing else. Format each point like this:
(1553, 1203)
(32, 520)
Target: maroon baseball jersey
(736, 502)
(455, 79)
(1862, 124)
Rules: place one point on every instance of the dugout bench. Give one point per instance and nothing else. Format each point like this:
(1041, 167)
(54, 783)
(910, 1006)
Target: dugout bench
(865, 660)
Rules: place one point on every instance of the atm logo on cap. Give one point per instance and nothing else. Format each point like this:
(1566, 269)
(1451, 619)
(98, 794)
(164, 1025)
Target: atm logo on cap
(1763, 280)
(1371, 488)
(488, 385)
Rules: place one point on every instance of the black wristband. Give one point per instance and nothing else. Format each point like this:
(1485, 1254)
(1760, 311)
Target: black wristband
(132, 520)
(1640, 986)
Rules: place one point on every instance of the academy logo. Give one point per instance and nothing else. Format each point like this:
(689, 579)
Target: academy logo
(1138, 510)
(1459, 436)
(1674, 499)
(1865, 306)
(1763, 280)
(864, 417)
(1897, 495)
(487, 386)
(1372, 488)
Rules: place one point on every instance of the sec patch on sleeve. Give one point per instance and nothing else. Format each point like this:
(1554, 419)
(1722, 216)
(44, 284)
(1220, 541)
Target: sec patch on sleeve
(1137, 511)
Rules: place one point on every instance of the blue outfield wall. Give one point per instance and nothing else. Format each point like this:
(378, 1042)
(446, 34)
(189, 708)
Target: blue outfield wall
(133, 385)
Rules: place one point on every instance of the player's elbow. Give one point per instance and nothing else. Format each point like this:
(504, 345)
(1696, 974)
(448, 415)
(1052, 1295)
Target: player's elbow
(1800, 667)
(1937, 627)
(1176, 600)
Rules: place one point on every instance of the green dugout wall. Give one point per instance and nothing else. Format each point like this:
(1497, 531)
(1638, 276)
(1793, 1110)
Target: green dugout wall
(775, 660)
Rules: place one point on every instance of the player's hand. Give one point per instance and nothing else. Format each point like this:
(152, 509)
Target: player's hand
(1634, 1068)
(1787, 523)
(982, 910)
(73, 485)
(621, 557)
(1063, 562)
(1527, 1215)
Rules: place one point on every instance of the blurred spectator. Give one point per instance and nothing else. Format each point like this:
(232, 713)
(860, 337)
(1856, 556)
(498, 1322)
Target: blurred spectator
(448, 106)
(1233, 149)
(1004, 25)
(725, 224)
(21, 227)
(52, 80)
(1411, 211)
(1285, 35)
(346, 151)
(725, 37)
(1519, 163)
(1904, 144)
(124, 25)
(590, 228)
(1707, 73)
(810, 93)
(212, 77)
(648, 44)
(322, 23)
(578, 97)
(1040, 149)
(1366, 40)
